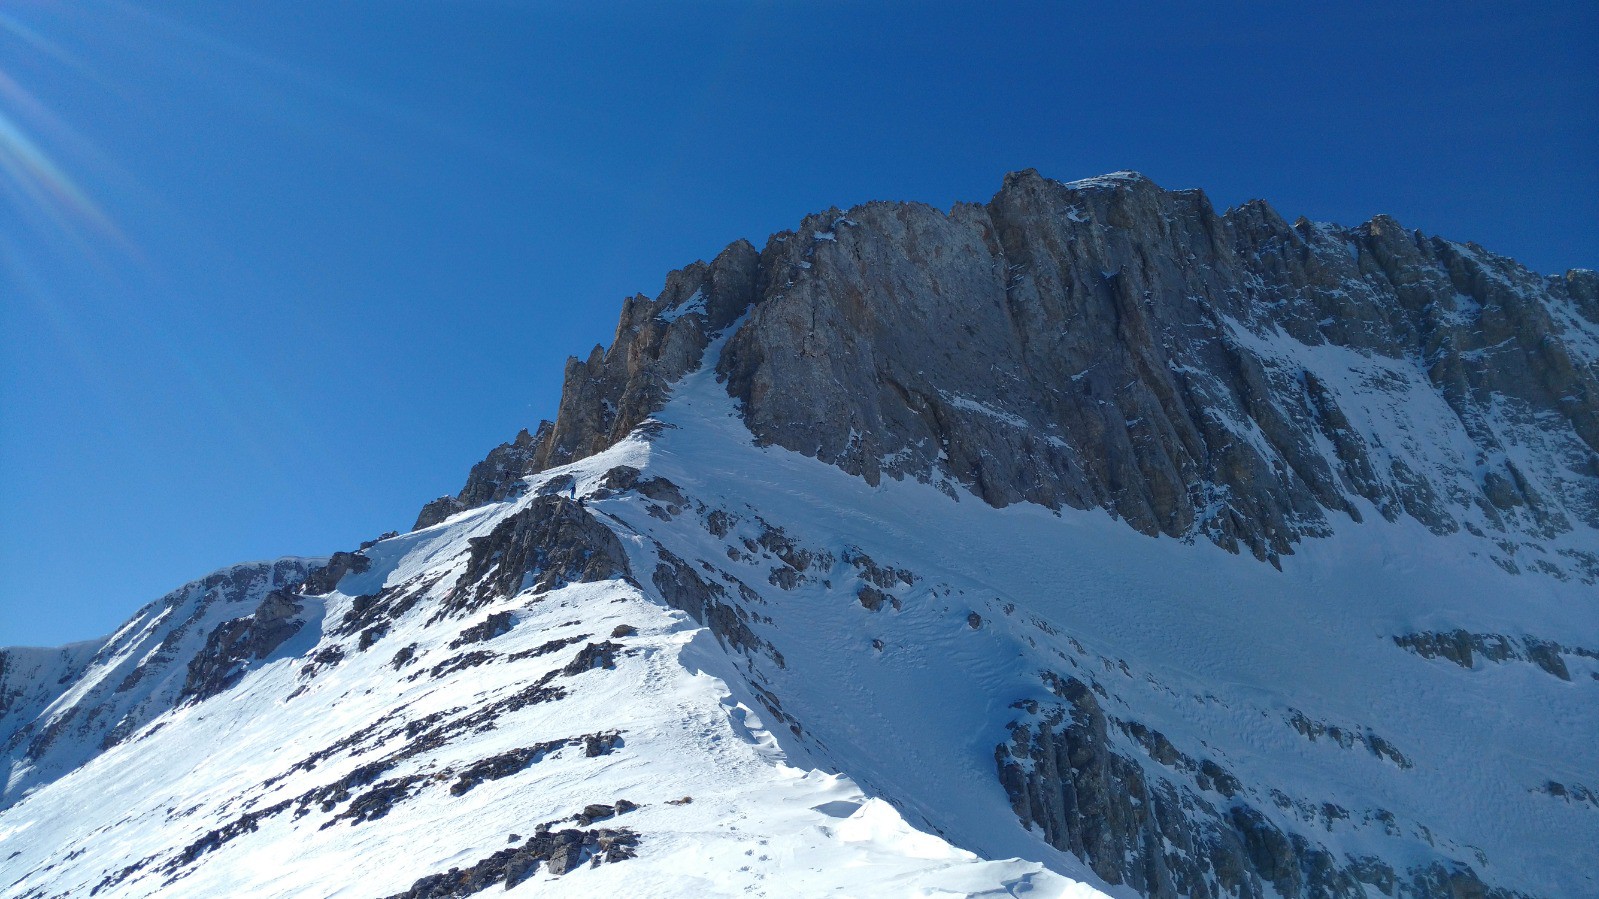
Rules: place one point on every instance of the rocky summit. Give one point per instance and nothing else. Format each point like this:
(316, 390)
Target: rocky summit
(1084, 542)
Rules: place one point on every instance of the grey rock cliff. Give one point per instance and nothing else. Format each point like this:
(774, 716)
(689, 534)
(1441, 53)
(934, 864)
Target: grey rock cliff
(1107, 343)
(234, 646)
(1112, 344)
(610, 393)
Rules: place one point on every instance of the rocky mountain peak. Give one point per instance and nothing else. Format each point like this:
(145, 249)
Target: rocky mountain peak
(884, 558)
(1109, 343)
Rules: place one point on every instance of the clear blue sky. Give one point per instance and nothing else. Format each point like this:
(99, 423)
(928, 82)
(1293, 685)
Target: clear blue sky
(274, 274)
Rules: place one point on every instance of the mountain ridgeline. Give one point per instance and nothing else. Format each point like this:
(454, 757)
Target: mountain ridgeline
(1084, 542)
(1109, 344)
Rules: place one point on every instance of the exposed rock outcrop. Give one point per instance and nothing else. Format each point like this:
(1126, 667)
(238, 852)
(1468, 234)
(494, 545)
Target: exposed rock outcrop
(706, 601)
(609, 394)
(515, 761)
(1464, 648)
(552, 542)
(1165, 837)
(558, 851)
(1108, 343)
(496, 625)
(325, 578)
(235, 645)
(497, 477)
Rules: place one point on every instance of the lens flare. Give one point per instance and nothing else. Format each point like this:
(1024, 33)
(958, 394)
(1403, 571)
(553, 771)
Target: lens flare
(32, 177)
(35, 183)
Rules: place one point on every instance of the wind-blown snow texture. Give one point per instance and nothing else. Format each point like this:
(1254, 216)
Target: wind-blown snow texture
(817, 586)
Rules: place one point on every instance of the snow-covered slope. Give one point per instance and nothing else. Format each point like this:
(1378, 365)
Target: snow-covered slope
(357, 767)
(651, 651)
(59, 708)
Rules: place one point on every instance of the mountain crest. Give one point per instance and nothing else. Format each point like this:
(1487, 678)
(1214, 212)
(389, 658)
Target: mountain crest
(1107, 343)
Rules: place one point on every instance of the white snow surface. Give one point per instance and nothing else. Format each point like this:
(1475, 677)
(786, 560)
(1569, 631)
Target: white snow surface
(886, 786)
(695, 304)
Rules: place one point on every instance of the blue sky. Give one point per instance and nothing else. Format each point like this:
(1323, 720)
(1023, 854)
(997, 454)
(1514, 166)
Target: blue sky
(272, 275)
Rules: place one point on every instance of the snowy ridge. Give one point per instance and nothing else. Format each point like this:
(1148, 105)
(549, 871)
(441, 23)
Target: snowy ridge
(92, 695)
(753, 822)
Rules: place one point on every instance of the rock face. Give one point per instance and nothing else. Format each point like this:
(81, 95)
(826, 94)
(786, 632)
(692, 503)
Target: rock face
(1107, 343)
(324, 578)
(490, 481)
(609, 394)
